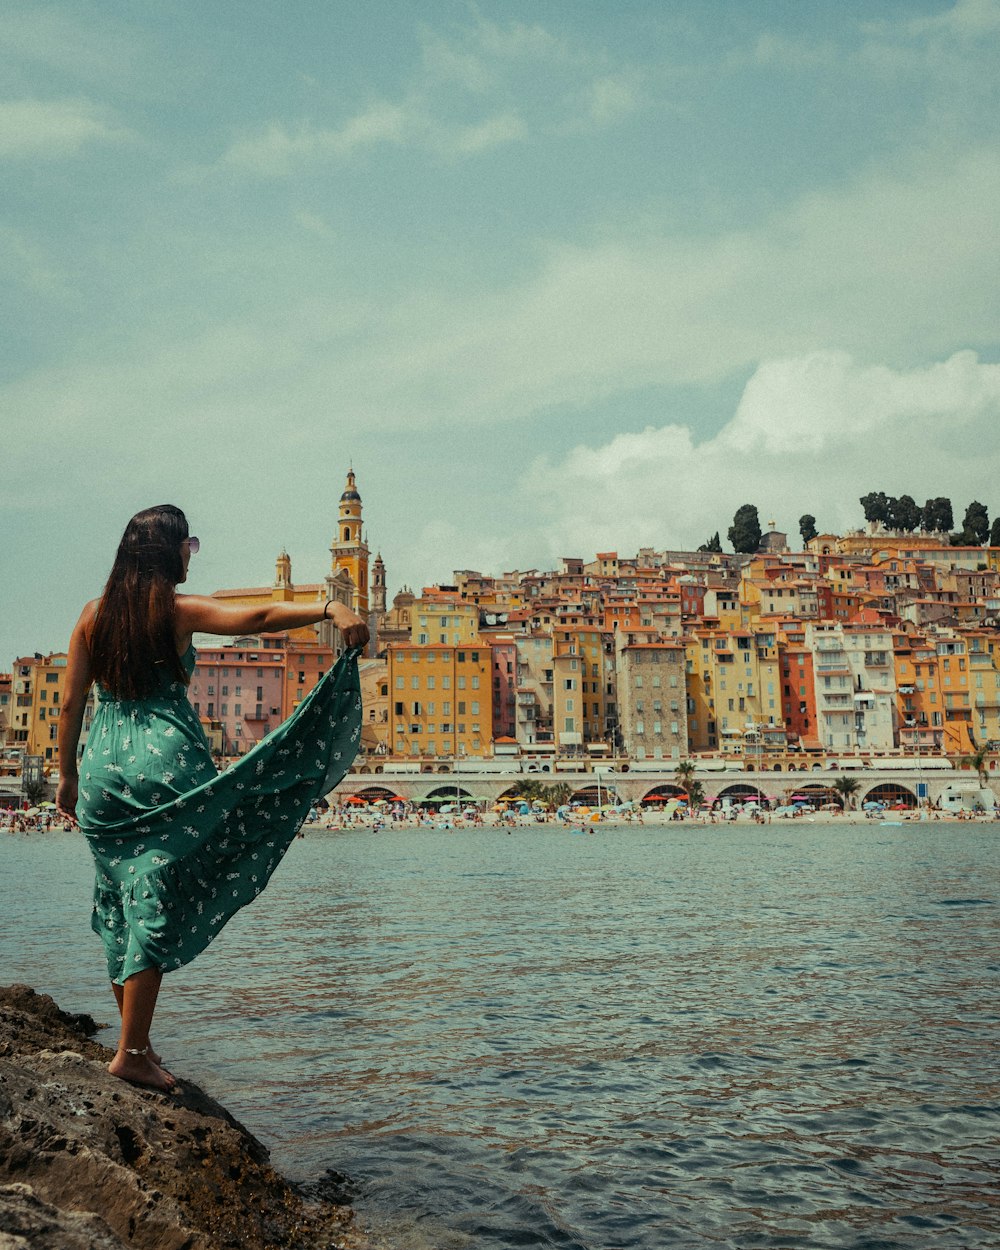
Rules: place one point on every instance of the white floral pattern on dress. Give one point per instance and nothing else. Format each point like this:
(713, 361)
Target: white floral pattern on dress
(154, 910)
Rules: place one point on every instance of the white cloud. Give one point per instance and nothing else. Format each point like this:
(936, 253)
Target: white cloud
(54, 128)
(966, 19)
(279, 151)
(612, 97)
(810, 434)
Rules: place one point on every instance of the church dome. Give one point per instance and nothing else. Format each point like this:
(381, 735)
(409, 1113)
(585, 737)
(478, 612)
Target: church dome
(350, 495)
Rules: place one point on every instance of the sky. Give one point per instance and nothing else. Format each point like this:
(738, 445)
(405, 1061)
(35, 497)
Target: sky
(554, 278)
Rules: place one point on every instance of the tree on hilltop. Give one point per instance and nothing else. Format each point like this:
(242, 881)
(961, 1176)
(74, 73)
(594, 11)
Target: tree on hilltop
(995, 533)
(936, 516)
(745, 533)
(807, 528)
(876, 506)
(712, 544)
(903, 514)
(976, 526)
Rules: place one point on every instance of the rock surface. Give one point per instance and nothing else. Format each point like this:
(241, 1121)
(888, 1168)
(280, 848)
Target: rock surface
(88, 1162)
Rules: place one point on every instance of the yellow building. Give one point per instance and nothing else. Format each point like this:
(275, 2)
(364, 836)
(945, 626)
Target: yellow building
(734, 691)
(579, 691)
(442, 621)
(374, 679)
(440, 700)
(984, 687)
(37, 694)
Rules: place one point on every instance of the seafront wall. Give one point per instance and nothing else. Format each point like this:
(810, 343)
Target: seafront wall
(938, 787)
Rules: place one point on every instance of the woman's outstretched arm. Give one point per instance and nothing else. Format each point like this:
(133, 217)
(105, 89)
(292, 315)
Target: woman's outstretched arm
(198, 614)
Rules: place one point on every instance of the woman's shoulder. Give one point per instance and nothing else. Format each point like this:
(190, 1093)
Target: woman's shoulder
(85, 622)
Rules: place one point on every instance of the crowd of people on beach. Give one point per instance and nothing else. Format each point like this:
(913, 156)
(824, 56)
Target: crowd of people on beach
(398, 816)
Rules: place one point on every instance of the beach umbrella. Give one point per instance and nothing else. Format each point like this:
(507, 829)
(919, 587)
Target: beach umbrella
(46, 804)
(32, 811)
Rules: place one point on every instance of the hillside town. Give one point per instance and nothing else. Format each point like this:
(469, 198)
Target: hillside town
(863, 647)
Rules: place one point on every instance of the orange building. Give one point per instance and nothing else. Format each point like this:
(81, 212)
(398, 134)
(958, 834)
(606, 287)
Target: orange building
(440, 700)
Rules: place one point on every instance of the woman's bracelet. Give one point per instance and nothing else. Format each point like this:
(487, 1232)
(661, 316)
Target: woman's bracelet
(325, 607)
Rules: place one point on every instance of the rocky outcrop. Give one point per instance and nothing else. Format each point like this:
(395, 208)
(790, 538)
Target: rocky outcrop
(88, 1162)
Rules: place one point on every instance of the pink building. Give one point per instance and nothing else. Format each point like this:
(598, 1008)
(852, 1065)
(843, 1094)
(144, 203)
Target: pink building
(239, 687)
(504, 650)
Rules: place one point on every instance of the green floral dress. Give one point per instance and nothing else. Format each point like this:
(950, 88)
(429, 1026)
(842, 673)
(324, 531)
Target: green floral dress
(181, 847)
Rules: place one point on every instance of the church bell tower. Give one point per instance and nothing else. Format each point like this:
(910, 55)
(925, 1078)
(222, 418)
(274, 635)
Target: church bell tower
(349, 550)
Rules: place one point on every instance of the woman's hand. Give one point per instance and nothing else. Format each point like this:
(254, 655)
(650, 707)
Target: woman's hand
(66, 797)
(352, 627)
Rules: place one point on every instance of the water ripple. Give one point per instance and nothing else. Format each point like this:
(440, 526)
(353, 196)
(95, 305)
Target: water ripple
(641, 1039)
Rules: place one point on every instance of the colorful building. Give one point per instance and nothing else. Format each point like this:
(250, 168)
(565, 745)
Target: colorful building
(441, 702)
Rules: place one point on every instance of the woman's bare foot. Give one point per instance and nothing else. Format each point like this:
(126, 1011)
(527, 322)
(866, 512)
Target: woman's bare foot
(140, 1070)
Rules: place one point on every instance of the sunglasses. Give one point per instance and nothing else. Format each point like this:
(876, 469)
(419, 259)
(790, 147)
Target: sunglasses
(194, 546)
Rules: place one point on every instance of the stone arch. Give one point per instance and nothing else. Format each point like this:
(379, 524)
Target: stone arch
(371, 794)
(588, 796)
(819, 792)
(892, 794)
(446, 794)
(740, 792)
(663, 794)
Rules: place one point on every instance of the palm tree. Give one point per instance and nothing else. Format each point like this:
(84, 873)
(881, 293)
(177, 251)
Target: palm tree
(684, 775)
(847, 787)
(559, 793)
(977, 761)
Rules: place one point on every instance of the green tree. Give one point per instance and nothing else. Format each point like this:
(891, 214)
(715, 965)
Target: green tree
(847, 788)
(936, 517)
(807, 527)
(34, 791)
(977, 760)
(696, 793)
(684, 775)
(995, 533)
(976, 525)
(559, 793)
(712, 544)
(745, 532)
(903, 514)
(875, 505)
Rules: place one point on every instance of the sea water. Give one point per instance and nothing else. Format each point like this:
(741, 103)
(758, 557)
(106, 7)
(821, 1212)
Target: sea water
(722, 1036)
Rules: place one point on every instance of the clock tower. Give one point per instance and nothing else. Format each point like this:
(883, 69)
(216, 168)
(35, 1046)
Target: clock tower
(349, 550)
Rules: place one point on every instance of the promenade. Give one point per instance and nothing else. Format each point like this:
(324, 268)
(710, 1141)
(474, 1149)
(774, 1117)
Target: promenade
(945, 788)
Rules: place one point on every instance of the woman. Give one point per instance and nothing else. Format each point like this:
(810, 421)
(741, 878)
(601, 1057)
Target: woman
(179, 847)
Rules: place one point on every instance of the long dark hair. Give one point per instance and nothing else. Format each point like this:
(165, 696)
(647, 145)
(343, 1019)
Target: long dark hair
(133, 645)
